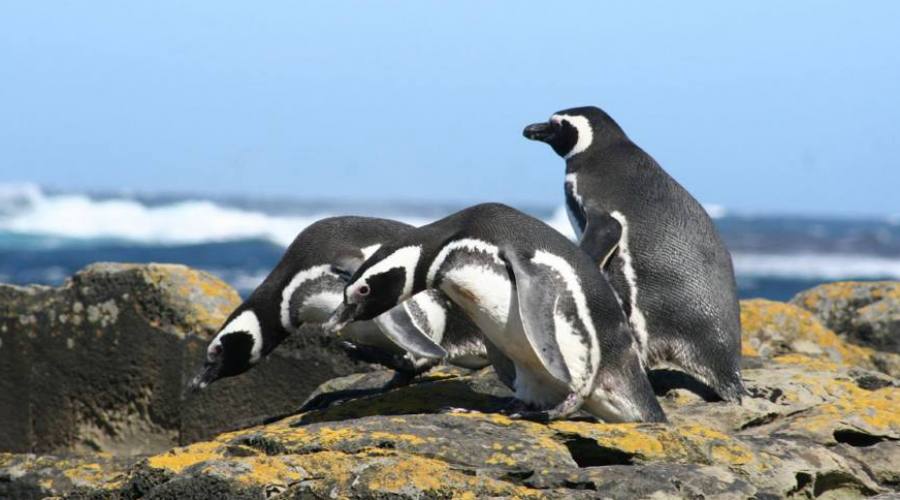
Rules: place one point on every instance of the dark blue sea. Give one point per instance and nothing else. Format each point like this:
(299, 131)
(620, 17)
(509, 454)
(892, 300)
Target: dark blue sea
(47, 235)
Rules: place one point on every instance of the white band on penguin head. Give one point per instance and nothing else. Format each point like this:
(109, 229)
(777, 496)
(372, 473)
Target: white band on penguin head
(582, 126)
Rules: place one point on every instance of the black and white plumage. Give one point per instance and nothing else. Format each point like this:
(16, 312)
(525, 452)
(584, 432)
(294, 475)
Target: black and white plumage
(656, 242)
(551, 322)
(307, 285)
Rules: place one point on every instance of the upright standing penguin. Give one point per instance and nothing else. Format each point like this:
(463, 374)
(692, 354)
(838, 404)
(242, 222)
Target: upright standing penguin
(305, 288)
(542, 305)
(659, 247)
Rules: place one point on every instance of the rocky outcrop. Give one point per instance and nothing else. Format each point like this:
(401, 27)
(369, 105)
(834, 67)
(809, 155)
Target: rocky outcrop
(806, 429)
(775, 331)
(100, 363)
(865, 313)
(819, 420)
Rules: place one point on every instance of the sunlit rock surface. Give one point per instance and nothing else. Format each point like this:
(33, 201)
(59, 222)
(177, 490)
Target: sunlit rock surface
(821, 419)
(867, 314)
(101, 362)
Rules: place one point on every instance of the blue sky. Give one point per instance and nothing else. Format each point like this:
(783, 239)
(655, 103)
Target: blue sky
(761, 107)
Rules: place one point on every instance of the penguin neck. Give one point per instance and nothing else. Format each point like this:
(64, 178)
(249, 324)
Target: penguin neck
(426, 258)
(594, 159)
(264, 302)
(581, 162)
(606, 136)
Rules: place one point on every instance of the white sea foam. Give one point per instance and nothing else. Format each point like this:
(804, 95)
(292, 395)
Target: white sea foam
(560, 221)
(26, 209)
(715, 211)
(815, 266)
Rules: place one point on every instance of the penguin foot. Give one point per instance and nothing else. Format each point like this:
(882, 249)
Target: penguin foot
(540, 416)
(329, 399)
(567, 407)
(375, 355)
(520, 410)
(454, 409)
(514, 407)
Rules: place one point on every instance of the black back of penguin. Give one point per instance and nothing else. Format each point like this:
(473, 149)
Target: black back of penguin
(511, 231)
(684, 275)
(566, 309)
(257, 326)
(333, 241)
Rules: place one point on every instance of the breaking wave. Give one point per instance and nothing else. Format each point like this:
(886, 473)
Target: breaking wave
(73, 228)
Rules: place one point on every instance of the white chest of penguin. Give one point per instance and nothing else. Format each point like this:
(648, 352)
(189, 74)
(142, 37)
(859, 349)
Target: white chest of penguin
(571, 187)
(491, 301)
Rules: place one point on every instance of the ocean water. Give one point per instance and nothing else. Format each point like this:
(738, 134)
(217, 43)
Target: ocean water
(47, 235)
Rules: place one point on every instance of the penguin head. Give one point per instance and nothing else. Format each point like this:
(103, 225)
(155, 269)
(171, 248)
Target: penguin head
(235, 349)
(573, 131)
(383, 281)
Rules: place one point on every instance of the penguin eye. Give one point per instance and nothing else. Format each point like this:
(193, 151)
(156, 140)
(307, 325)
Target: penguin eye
(216, 350)
(363, 290)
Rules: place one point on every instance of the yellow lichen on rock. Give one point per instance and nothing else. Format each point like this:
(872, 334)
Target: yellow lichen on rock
(806, 361)
(207, 299)
(844, 291)
(258, 470)
(178, 459)
(772, 329)
(651, 442)
(435, 478)
(93, 474)
(849, 408)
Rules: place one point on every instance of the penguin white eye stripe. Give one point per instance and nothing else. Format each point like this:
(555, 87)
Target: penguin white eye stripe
(245, 322)
(406, 258)
(585, 132)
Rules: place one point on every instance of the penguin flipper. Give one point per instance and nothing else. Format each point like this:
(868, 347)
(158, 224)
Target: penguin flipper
(550, 316)
(601, 237)
(417, 324)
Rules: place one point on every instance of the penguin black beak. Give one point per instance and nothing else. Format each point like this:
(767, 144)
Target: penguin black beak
(543, 132)
(208, 375)
(341, 317)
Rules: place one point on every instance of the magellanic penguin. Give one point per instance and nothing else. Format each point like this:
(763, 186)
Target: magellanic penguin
(307, 285)
(543, 306)
(658, 245)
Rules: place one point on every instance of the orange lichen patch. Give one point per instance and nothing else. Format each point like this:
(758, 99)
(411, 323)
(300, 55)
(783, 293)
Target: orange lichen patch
(629, 438)
(501, 459)
(871, 412)
(94, 475)
(436, 479)
(269, 470)
(384, 472)
(87, 471)
(327, 437)
(848, 290)
(334, 465)
(684, 443)
(183, 285)
(261, 470)
(496, 418)
(806, 361)
(178, 459)
(775, 328)
(748, 350)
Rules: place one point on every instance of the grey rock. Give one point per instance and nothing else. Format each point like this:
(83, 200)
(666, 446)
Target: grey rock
(100, 363)
(866, 313)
